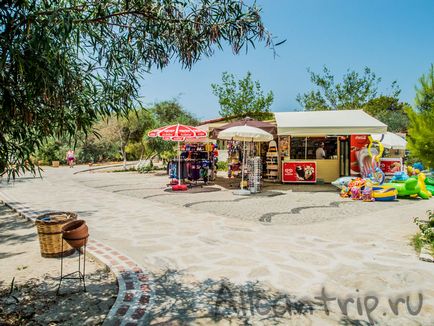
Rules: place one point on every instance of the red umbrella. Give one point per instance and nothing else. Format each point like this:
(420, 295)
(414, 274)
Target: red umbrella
(178, 133)
(177, 130)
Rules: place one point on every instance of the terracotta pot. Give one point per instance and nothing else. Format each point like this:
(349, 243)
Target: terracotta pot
(75, 233)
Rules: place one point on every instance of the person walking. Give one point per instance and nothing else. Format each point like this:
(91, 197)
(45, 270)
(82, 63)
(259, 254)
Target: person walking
(70, 158)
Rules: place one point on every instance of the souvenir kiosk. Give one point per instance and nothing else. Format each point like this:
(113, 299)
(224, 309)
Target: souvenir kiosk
(321, 146)
(258, 152)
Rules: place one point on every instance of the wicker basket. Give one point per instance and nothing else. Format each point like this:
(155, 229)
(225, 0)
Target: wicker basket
(50, 234)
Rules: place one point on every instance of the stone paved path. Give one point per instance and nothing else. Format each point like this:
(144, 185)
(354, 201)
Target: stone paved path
(363, 251)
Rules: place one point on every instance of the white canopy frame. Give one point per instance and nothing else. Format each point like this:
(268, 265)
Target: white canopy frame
(320, 123)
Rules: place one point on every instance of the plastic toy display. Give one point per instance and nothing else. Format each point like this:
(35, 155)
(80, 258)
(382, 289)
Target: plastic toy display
(369, 161)
(342, 182)
(371, 188)
(381, 193)
(409, 188)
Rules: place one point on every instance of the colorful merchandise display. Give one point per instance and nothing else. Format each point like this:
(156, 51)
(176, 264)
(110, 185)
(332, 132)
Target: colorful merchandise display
(369, 162)
(235, 157)
(272, 162)
(342, 182)
(364, 189)
(409, 188)
(380, 193)
(197, 163)
(415, 185)
(254, 171)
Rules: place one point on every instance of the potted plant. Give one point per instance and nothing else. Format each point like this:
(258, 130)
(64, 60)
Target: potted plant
(76, 233)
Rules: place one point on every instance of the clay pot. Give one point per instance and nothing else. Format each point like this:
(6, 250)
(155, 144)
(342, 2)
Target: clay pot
(75, 233)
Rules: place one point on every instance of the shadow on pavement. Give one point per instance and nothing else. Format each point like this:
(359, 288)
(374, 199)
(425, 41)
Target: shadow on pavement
(179, 302)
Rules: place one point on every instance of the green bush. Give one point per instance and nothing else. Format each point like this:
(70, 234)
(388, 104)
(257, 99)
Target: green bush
(222, 166)
(52, 150)
(145, 167)
(426, 227)
(94, 150)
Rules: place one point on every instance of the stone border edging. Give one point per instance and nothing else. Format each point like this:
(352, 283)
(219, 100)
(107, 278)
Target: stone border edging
(102, 167)
(134, 284)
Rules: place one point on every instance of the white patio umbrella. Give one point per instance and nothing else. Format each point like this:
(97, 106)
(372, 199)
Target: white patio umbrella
(390, 140)
(244, 133)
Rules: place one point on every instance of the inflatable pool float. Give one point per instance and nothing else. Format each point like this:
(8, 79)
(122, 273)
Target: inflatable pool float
(421, 177)
(342, 182)
(399, 177)
(410, 188)
(430, 189)
(380, 193)
(429, 181)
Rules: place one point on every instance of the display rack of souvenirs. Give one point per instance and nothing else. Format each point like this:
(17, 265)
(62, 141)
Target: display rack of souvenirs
(272, 163)
(235, 157)
(254, 170)
(198, 163)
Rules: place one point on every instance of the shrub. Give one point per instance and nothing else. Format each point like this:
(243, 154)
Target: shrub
(426, 228)
(222, 166)
(145, 167)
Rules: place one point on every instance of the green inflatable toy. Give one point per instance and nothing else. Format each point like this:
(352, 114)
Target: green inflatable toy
(422, 179)
(429, 182)
(408, 188)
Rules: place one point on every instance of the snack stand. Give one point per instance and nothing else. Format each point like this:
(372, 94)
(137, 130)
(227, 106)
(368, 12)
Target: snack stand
(301, 134)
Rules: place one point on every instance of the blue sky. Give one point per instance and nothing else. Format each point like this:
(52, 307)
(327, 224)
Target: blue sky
(395, 38)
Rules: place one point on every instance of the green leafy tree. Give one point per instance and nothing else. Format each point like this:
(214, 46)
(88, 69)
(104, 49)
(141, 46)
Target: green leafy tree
(52, 150)
(120, 132)
(242, 98)
(171, 112)
(352, 93)
(390, 111)
(132, 129)
(65, 63)
(420, 130)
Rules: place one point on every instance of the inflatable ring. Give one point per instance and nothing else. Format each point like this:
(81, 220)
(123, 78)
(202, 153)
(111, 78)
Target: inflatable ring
(384, 194)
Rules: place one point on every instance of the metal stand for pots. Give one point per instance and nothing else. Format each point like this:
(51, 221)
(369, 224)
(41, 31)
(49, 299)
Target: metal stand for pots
(81, 274)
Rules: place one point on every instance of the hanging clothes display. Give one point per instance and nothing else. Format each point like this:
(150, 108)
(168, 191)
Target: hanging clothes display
(197, 163)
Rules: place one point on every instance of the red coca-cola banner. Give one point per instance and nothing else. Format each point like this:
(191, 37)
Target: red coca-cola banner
(390, 165)
(357, 143)
(299, 171)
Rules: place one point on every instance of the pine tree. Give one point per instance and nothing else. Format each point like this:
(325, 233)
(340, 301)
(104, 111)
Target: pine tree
(420, 130)
(425, 93)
